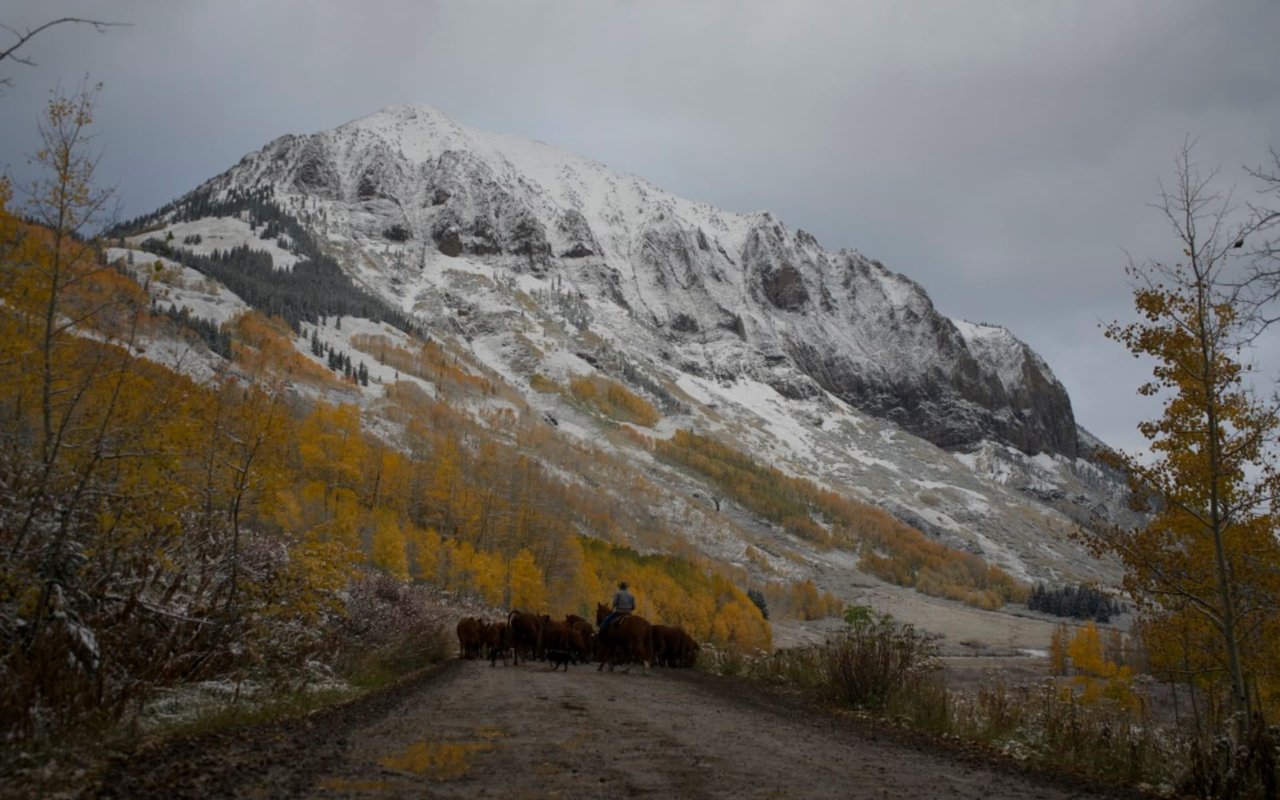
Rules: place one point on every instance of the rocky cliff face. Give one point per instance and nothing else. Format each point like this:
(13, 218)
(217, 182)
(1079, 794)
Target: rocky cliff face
(410, 194)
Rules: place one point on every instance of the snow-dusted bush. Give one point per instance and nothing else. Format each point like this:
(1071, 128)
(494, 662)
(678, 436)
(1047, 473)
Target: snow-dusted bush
(391, 624)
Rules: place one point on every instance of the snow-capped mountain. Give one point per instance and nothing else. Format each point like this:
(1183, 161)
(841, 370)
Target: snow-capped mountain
(823, 363)
(724, 294)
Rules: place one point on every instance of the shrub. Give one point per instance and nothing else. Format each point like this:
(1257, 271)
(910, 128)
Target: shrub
(614, 400)
(397, 233)
(797, 667)
(389, 628)
(879, 662)
(1048, 723)
(541, 383)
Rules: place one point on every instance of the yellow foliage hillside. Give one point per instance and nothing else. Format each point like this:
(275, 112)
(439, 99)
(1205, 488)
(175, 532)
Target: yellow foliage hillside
(889, 548)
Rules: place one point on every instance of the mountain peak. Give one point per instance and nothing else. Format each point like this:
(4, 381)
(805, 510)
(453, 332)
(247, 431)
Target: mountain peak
(404, 113)
(419, 131)
(713, 292)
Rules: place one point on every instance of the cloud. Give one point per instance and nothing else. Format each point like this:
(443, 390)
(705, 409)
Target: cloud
(1002, 155)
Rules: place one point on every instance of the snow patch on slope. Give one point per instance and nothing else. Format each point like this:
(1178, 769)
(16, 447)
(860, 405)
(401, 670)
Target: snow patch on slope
(220, 233)
(175, 284)
(997, 347)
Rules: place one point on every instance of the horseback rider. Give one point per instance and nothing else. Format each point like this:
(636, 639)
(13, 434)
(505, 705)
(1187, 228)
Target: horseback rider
(623, 604)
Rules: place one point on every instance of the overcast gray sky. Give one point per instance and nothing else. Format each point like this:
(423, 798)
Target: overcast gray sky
(1002, 154)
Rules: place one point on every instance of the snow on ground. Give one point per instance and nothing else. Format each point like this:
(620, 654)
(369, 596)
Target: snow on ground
(614, 204)
(936, 518)
(1047, 463)
(184, 357)
(997, 347)
(487, 351)
(696, 388)
(899, 291)
(772, 409)
(1001, 555)
(339, 338)
(564, 362)
(976, 501)
(220, 233)
(864, 457)
(181, 286)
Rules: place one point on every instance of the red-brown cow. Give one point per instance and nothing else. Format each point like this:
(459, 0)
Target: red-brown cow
(686, 654)
(526, 634)
(666, 643)
(469, 637)
(672, 647)
(586, 631)
(497, 642)
(553, 634)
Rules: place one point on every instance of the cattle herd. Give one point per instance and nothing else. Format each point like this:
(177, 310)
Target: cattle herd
(523, 635)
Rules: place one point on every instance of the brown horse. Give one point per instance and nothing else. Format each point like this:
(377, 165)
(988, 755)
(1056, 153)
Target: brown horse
(625, 641)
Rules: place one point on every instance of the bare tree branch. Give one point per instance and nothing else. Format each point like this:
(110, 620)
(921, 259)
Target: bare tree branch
(11, 52)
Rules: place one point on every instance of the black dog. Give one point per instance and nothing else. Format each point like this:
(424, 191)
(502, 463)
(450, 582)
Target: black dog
(561, 658)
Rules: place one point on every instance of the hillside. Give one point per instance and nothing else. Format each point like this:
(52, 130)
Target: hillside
(541, 270)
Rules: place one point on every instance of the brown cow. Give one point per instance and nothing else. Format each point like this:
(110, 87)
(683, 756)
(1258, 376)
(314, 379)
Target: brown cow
(554, 636)
(666, 644)
(526, 634)
(469, 635)
(687, 653)
(497, 641)
(586, 631)
(672, 647)
(575, 644)
(625, 641)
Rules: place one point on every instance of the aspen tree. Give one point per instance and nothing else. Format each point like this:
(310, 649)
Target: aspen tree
(1208, 559)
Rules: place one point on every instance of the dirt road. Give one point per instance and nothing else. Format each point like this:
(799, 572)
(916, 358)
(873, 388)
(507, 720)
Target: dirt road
(468, 730)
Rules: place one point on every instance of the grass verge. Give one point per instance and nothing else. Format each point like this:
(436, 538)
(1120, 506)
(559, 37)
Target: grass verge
(888, 672)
